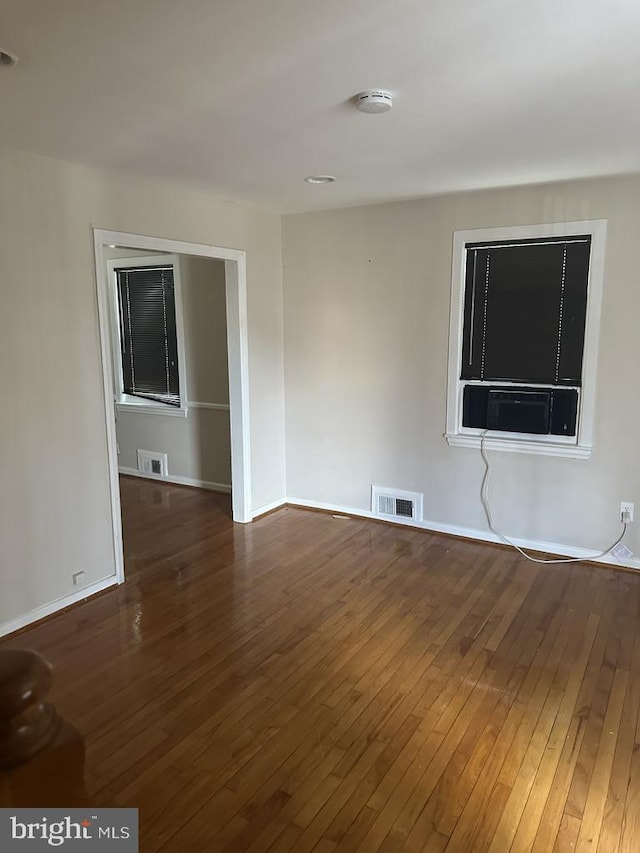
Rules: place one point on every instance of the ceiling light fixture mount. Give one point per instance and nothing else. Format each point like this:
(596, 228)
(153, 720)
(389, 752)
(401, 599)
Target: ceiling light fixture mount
(374, 101)
(320, 179)
(7, 60)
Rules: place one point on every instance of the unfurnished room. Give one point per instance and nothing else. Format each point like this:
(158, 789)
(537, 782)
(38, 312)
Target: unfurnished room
(320, 454)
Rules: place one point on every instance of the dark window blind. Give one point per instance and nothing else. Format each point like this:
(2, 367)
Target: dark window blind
(148, 337)
(525, 310)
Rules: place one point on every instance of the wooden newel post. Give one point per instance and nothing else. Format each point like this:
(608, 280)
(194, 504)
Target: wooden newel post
(41, 756)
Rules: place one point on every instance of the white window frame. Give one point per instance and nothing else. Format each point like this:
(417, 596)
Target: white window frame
(128, 402)
(578, 446)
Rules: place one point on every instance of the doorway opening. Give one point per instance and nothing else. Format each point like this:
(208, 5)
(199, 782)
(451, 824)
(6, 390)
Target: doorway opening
(116, 255)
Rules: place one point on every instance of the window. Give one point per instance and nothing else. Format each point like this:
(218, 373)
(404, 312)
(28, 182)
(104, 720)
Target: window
(148, 350)
(523, 337)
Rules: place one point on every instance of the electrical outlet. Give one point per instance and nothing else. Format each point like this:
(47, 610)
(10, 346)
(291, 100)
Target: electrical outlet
(626, 511)
(78, 578)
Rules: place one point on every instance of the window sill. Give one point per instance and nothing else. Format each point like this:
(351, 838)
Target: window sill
(150, 407)
(520, 445)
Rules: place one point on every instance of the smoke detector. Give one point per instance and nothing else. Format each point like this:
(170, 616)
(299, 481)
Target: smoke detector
(374, 101)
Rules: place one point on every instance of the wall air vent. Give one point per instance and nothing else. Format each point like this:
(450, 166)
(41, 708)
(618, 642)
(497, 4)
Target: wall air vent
(152, 464)
(396, 504)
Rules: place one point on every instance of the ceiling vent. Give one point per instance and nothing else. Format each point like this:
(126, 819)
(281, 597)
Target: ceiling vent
(396, 504)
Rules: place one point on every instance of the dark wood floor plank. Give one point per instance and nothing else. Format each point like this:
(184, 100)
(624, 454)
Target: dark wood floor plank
(312, 683)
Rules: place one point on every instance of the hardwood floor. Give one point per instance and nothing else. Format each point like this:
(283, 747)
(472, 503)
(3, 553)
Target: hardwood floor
(314, 683)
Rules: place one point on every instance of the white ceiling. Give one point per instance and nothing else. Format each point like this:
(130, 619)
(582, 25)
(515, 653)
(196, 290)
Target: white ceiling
(246, 98)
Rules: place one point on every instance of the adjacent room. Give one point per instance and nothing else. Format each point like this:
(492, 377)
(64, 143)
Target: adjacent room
(168, 336)
(320, 458)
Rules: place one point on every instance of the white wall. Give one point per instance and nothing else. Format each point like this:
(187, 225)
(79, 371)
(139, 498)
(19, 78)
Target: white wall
(366, 312)
(198, 446)
(54, 504)
(366, 325)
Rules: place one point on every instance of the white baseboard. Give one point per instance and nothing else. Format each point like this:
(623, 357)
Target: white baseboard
(472, 533)
(434, 526)
(56, 605)
(269, 507)
(225, 488)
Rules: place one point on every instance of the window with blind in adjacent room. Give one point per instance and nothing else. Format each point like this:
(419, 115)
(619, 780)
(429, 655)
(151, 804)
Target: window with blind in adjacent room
(523, 336)
(149, 369)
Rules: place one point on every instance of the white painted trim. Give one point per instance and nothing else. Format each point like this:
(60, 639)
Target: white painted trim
(104, 322)
(269, 507)
(580, 446)
(586, 414)
(225, 488)
(518, 445)
(182, 351)
(221, 407)
(237, 342)
(160, 244)
(471, 533)
(235, 271)
(56, 605)
(150, 407)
